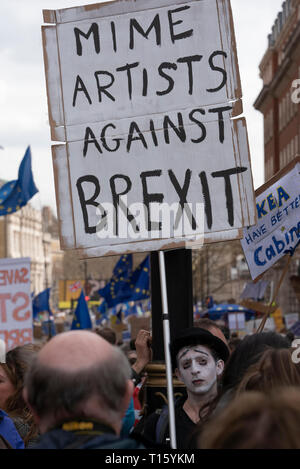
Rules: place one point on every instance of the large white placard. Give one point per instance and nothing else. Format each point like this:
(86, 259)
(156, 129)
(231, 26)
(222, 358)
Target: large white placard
(278, 229)
(143, 93)
(15, 302)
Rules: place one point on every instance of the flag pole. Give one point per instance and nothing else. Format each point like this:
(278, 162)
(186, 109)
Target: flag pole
(166, 331)
(274, 296)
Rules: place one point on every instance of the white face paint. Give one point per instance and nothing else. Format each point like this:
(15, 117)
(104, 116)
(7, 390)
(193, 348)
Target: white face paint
(197, 368)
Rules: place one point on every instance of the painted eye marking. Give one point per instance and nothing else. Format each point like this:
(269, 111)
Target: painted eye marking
(186, 364)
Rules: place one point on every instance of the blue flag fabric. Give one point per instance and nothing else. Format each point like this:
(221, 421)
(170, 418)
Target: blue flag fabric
(82, 318)
(137, 286)
(40, 303)
(49, 328)
(134, 310)
(121, 273)
(15, 194)
(118, 314)
(103, 310)
(125, 309)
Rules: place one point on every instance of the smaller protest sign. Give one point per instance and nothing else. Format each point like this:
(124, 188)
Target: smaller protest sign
(255, 291)
(291, 319)
(296, 329)
(136, 324)
(15, 302)
(252, 326)
(277, 232)
(236, 321)
(270, 325)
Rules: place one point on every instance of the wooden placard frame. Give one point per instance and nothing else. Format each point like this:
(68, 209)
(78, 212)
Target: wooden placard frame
(60, 131)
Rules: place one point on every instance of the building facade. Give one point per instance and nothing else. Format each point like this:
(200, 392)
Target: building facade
(220, 273)
(279, 102)
(21, 235)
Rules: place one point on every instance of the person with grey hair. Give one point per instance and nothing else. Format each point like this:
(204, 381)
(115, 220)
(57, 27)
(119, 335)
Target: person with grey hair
(78, 389)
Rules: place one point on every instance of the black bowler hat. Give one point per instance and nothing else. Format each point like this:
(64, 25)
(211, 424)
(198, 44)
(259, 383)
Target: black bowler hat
(198, 336)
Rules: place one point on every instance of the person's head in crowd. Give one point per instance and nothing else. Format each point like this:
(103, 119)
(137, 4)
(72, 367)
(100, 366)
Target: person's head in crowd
(290, 336)
(255, 420)
(212, 327)
(233, 343)
(275, 368)
(198, 359)
(108, 334)
(249, 352)
(226, 332)
(12, 378)
(79, 375)
(132, 356)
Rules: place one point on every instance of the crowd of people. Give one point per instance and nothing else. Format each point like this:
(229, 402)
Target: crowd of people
(81, 390)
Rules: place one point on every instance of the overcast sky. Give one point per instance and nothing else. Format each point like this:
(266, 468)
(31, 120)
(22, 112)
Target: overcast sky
(23, 103)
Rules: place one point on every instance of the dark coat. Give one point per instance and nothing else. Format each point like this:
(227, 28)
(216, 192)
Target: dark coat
(102, 438)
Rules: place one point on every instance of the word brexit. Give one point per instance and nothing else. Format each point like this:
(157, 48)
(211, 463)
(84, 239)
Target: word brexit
(91, 184)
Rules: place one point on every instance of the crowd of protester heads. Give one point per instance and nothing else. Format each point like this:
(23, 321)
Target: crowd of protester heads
(255, 403)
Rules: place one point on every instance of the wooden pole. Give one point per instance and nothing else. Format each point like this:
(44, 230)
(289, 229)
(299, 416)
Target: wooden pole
(274, 296)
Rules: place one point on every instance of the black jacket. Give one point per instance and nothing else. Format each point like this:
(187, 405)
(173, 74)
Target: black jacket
(101, 437)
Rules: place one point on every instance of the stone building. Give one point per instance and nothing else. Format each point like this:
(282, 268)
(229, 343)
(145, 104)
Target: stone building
(220, 272)
(279, 68)
(67, 267)
(21, 235)
(279, 102)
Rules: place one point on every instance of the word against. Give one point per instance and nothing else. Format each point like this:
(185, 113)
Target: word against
(296, 94)
(176, 128)
(2, 351)
(296, 353)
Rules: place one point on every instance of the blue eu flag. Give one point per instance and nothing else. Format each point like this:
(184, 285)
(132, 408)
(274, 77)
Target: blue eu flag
(82, 318)
(103, 310)
(137, 286)
(15, 194)
(121, 273)
(40, 303)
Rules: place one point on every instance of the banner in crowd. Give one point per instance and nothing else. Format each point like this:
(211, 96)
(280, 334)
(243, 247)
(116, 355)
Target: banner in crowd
(143, 94)
(15, 302)
(278, 229)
